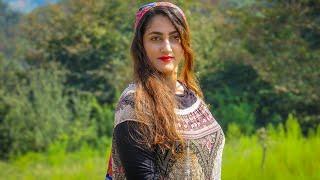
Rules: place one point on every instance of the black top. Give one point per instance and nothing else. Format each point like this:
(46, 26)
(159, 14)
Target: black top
(139, 162)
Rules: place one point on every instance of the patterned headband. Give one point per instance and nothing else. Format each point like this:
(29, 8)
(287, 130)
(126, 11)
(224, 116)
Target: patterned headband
(145, 8)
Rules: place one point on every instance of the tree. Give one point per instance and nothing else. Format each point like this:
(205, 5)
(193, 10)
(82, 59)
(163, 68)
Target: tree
(278, 40)
(34, 111)
(8, 31)
(89, 38)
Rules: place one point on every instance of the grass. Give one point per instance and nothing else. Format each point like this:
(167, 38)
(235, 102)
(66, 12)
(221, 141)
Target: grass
(288, 156)
(86, 163)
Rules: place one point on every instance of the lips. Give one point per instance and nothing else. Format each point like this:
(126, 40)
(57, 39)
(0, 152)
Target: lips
(166, 58)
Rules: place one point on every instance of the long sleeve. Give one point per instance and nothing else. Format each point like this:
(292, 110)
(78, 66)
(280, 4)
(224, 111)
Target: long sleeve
(131, 159)
(138, 162)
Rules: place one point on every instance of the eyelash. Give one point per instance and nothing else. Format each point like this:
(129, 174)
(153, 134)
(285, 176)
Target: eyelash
(155, 38)
(176, 37)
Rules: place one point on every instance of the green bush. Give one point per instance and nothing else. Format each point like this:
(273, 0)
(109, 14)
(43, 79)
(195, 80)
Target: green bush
(91, 122)
(37, 112)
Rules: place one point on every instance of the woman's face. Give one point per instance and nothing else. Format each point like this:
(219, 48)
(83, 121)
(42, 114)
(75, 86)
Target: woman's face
(162, 44)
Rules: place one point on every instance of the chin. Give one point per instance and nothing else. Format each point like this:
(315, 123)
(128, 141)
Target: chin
(167, 71)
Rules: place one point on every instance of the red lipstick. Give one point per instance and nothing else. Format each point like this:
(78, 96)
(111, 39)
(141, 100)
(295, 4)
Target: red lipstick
(166, 58)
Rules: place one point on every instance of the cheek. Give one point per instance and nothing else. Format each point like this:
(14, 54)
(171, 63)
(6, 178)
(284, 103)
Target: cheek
(146, 47)
(179, 52)
(150, 49)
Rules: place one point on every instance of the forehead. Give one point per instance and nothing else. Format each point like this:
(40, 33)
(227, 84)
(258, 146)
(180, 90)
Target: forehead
(160, 23)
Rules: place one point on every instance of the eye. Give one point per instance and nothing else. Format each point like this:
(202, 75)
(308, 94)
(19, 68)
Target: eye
(155, 38)
(176, 38)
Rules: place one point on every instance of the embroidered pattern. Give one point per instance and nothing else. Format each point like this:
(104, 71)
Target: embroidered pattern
(204, 138)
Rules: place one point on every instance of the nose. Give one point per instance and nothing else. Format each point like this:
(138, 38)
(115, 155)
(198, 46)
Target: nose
(166, 48)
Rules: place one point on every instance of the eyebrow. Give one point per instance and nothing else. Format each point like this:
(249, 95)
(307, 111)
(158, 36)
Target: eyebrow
(160, 33)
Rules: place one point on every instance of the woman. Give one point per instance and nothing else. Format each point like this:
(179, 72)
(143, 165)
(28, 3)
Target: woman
(163, 129)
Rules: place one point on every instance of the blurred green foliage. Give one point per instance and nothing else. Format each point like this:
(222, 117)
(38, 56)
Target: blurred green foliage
(288, 155)
(63, 67)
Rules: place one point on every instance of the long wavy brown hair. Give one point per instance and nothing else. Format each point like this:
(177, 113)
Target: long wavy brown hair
(154, 100)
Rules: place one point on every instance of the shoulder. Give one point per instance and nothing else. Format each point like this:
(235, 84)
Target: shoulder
(127, 96)
(130, 89)
(125, 107)
(128, 92)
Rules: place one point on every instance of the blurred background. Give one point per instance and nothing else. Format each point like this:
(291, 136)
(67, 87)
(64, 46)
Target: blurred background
(64, 63)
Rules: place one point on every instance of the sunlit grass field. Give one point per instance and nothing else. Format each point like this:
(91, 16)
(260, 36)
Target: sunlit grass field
(288, 155)
(285, 158)
(86, 163)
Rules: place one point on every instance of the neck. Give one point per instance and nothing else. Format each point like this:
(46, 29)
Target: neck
(172, 82)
